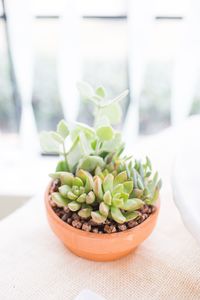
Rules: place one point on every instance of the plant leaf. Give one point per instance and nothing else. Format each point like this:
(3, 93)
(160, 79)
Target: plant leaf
(97, 217)
(57, 137)
(62, 129)
(74, 206)
(113, 112)
(120, 178)
(100, 91)
(80, 127)
(128, 186)
(116, 99)
(108, 183)
(117, 215)
(62, 166)
(48, 144)
(105, 133)
(89, 163)
(104, 209)
(133, 204)
(86, 91)
(59, 200)
(112, 145)
(131, 215)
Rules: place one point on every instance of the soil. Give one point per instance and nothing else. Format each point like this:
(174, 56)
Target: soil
(110, 226)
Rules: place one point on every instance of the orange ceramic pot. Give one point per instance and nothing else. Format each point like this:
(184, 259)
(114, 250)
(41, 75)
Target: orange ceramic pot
(100, 247)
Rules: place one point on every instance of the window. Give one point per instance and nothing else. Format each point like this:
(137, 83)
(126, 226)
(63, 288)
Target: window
(105, 60)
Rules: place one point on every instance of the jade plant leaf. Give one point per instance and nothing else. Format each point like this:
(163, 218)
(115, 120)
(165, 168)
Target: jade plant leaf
(113, 112)
(89, 163)
(86, 91)
(62, 129)
(57, 137)
(48, 143)
(105, 133)
(114, 144)
(80, 127)
(100, 91)
(78, 150)
(62, 166)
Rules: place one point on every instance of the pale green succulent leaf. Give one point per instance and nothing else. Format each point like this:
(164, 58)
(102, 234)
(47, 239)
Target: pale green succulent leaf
(74, 206)
(113, 112)
(133, 204)
(98, 188)
(80, 127)
(105, 133)
(57, 137)
(118, 202)
(108, 183)
(120, 178)
(114, 144)
(131, 215)
(85, 212)
(117, 215)
(118, 189)
(62, 166)
(77, 181)
(81, 198)
(59, 200)
(79, 148)
(107, 197)
(100, 91)
(116, 99)
(128, 186)
(86, 91)
(90, 198)
(89, 163)
(97, 217)
(104, 209)
(62, 129)
(64, 189)
(71, 196)
(48, 144)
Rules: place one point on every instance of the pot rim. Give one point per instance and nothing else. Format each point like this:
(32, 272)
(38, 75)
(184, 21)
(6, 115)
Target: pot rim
(135, 229)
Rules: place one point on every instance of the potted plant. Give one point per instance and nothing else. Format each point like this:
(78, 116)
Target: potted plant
(100, 203)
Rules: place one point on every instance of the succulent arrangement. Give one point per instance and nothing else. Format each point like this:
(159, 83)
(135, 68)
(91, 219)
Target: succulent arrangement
(94, 185)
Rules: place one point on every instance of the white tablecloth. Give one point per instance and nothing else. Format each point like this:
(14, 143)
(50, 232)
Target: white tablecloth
(35, 265)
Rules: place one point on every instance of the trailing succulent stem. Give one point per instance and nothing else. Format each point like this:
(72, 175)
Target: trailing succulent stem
(95, 180)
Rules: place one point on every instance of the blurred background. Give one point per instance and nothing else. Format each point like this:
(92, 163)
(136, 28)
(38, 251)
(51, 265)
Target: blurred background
(150, 47)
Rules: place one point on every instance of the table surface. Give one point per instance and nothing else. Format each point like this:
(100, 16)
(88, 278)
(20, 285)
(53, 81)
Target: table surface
(35, 264)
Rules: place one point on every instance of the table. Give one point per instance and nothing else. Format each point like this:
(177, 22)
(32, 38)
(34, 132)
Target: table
(35, 265)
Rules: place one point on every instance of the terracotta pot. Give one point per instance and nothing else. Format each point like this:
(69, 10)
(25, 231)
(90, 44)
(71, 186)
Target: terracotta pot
(104, 247)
